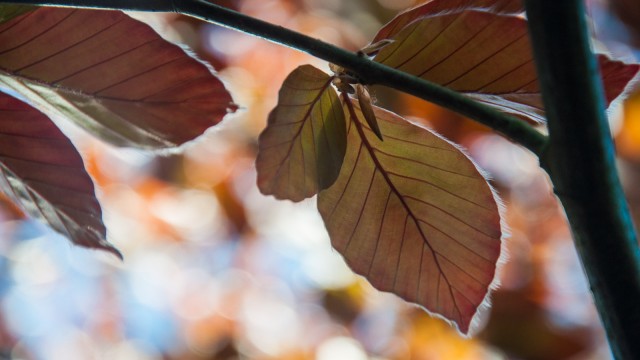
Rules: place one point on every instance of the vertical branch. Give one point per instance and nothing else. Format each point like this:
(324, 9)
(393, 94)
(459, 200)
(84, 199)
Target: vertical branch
(581, 162)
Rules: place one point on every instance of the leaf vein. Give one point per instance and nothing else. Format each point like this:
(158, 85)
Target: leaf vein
(474, 67)
(437, 187)
(39, 34)
(69, 47)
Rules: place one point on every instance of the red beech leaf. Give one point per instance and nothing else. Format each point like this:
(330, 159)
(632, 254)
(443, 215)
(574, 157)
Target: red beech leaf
(302, 148)
(486, 56)
(433, 7)
(415, 216)
(112, 75)
(41, 171)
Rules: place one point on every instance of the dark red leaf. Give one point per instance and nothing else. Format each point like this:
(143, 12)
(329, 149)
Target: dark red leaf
(486, 56)
(41, 171)
(112, 75)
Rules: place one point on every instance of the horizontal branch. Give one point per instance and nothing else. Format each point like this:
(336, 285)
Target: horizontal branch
(369, 71)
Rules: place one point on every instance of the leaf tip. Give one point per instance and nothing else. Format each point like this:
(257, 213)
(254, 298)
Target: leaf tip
(113, 250)
(104, 245)
(373, 48)
(232, 108)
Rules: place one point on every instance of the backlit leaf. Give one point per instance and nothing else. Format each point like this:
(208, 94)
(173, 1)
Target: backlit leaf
(302, 148)
(433, 7)
(8, 12)
(485, 55)
(42, 172)
(112, 75)
(414, 216)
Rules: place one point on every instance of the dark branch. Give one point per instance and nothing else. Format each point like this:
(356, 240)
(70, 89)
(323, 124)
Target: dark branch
(581, 163)
(366, 70)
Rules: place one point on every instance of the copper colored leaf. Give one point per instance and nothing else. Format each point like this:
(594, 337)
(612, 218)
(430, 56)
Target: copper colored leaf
(433, 7)
(112, 75)
(42, 172)
(486, 56)
(302, 148)
(415, 216)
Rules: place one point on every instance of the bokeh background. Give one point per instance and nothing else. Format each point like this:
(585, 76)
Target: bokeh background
(215, 270)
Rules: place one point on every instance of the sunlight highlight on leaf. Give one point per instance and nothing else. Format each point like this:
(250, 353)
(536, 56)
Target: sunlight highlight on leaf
(41, 171)
(486, 56)
(302, 148)
(112, 75)
(434, 7)
(414, 216)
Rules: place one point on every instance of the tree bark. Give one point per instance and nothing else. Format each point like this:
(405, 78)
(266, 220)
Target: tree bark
(580, 160)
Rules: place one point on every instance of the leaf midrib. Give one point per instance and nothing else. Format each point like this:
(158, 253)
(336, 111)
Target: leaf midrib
(400, 197)
(304, 120)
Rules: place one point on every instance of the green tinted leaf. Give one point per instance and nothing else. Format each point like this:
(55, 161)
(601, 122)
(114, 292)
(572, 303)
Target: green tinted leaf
(302, 148)
(112, 75)
(41, 171)
(414, 216)
(8, 12)
(485, 55)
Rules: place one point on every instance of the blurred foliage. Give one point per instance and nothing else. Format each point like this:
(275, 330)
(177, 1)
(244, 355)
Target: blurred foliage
(629, 12)
(214, 270)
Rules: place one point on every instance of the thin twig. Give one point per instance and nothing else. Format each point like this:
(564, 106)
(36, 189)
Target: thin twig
(367, 70)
